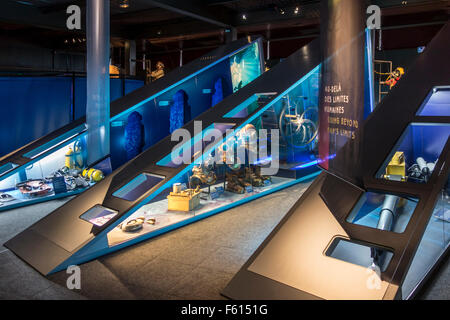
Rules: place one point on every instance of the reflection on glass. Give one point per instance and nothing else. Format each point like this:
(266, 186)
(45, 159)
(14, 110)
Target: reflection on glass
(416, 153)
(55, 142)
(250, 105)
(98, 215)
(134, 189)
(433, 244)
(198, 142)
(437, 104)
(383, 211)
(360, 254)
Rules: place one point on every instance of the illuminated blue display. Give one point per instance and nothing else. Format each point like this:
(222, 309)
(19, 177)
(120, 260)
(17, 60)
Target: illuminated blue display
(245, 66)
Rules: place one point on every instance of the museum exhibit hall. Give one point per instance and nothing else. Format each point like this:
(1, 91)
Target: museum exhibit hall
(214, 156)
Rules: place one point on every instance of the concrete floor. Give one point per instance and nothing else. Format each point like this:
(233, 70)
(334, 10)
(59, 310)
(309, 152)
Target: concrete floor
(193, 262)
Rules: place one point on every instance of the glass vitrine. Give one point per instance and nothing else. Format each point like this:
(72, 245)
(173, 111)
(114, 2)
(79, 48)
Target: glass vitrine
(416, 153)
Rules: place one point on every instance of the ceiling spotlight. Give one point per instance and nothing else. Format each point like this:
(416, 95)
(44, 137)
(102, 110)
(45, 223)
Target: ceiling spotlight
(124, 4)
(244, 16)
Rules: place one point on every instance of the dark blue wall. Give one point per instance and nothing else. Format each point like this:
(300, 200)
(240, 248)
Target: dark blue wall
(32, 107)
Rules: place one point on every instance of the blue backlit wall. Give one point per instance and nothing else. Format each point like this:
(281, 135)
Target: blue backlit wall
(32, 107)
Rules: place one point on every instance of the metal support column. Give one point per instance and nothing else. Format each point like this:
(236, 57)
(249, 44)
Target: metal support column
(97, 104)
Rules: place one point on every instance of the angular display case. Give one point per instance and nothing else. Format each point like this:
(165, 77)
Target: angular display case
(257, 141)
(378, 236)
(55, 165)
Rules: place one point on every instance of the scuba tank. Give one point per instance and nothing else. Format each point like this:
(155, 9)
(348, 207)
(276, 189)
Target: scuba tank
(78, 151)
(92, 174)
(70, 159)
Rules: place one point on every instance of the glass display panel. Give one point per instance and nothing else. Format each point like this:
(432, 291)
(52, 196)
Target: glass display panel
(7, 167)
(437, 103)
(134, 189)
(199, 142)
(416, 153)
(250, 105)
(360, 254)
(253, 160)
(433, 244)
(55, 142)
(98, 215)
(62, 172)
(383, 211)
(176, 105)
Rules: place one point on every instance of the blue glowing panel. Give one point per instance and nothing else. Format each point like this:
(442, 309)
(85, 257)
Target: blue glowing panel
(134, 189)
(437, 103)
(245, 66)
(98, 215)
(7, 167)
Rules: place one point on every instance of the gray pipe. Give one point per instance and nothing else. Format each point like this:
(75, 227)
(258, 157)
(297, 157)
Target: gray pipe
(387, 213)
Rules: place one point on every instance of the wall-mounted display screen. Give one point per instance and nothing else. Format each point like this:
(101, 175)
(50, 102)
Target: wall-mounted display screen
(245, 66)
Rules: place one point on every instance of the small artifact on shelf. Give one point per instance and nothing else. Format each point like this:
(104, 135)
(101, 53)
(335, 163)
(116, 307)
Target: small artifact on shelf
(93, 174)
(396, 169)
(183, 200)
(5, 197)
(34, 188)
(233, 184)
(253, 176)
(202, 175)
(132, 225)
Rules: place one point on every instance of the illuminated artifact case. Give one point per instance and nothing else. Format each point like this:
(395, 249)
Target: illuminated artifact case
(380, 235)
(175, 183)
(55, 166)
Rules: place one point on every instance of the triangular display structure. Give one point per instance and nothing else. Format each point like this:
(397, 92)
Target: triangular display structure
(74, 233)
(337, 241)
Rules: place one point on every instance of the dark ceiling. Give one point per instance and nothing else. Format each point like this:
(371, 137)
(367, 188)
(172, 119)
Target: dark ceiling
(168, 25)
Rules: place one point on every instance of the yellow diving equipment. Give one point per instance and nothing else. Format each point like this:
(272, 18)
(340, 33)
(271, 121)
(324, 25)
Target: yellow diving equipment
(92, 174)
(70, 159)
